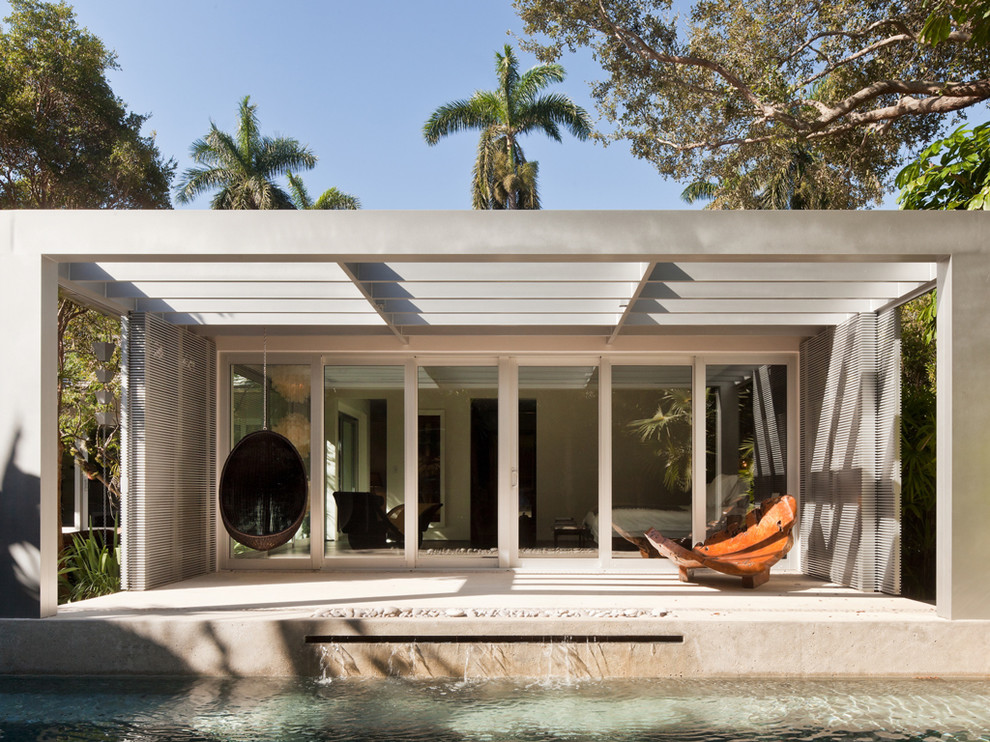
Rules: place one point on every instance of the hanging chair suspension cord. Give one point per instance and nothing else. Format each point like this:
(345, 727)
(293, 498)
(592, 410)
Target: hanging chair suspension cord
(264, 384)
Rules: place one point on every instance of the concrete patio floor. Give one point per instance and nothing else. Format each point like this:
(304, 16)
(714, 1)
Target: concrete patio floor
(549, 624)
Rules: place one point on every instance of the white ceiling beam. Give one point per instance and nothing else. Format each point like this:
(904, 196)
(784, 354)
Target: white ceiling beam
(767, 271)
(504, 290)
(642, 320)
(272, 319)
(768, 305)
(257, 306)
(515, 271)
(485, 306)
(95, 296)
(628, 308)
(235, 289)
(194, 271)
(778, 289)
(351, 271)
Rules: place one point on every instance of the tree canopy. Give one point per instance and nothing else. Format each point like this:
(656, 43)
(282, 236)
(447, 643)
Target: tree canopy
(725, 94)
(243, 167)
(502, 179)
(66, 141)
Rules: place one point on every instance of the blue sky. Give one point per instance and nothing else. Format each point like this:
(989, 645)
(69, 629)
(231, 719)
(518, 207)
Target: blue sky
(355, 81)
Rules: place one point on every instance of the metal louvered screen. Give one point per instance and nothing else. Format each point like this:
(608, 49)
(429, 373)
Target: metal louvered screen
(168, 477)
(888, 524)
(850, 454)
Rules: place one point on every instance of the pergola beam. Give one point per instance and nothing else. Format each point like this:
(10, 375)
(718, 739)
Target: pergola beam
(352, 274)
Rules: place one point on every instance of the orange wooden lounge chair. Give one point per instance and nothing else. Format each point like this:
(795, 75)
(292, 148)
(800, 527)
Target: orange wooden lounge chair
(748, 554)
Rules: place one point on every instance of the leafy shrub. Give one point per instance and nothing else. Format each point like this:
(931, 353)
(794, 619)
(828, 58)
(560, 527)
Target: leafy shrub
(918, 463)
(89, 567)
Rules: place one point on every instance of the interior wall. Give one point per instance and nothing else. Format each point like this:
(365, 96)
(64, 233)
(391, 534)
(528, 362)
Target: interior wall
(566, 456)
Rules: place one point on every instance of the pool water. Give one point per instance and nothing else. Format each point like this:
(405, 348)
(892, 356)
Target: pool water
(138, 709)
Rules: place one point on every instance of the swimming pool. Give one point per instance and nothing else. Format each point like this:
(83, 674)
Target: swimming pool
(221, 710)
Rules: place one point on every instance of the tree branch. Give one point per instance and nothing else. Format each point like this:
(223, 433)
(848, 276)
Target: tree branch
(637, 45)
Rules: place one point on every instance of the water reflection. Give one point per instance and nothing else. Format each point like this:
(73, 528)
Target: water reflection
(291, 709)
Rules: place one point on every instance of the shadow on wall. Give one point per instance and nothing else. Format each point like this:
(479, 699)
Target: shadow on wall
(20, 540)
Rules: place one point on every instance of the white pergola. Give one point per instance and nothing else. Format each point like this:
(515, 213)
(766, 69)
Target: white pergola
(407, 277)
(456, 296)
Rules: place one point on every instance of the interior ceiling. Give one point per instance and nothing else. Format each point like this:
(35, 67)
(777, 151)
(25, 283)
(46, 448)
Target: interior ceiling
(579, 297)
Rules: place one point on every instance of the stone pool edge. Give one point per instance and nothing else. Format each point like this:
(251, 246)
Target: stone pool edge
(265, 646)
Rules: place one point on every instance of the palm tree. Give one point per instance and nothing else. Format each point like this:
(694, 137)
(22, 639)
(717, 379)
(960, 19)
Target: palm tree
(791, 182)
(502, 116)
(243, 166)
(331, 199)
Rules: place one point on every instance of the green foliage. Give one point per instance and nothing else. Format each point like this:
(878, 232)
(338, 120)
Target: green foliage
(331, 199)
(723, 94)
(670, 426)
(952, 173)
(961, 17)
(66, 141)
(501, 179)
(794, 185)
(89, 568)
(96, 450)
(242, 167)
(918, 460)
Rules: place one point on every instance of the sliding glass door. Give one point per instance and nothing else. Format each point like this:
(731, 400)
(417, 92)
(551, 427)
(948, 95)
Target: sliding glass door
(652, 424)
(557, 460)
(502, 463)
(746, 440)
(364, 499)
(457, 461)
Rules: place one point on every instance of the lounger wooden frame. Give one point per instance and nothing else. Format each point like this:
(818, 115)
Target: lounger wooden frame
(748, 554)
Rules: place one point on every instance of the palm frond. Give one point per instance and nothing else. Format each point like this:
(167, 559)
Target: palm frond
(300, 196)
(334, 199)
(247, 126)
(699, 190)
(507, 69)
(279, 156)
(559, 110)
(457, 116)
(537, 78)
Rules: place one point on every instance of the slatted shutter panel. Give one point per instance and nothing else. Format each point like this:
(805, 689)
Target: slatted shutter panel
(169, 434)
(850, 454)
(888, 526)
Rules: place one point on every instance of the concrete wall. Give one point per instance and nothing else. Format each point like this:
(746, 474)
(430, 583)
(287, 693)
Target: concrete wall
(28, 488)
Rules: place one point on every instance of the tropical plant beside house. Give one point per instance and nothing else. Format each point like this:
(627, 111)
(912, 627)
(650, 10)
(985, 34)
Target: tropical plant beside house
(501, 179)
(89, 567)
(94, 448)
(918, 460)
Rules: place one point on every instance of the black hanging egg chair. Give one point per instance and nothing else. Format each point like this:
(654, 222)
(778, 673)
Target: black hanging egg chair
(263, 491)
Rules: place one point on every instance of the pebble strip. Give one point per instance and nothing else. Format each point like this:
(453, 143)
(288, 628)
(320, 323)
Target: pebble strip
(394, 612)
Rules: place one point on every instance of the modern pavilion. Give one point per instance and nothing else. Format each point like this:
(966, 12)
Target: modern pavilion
(531, 373)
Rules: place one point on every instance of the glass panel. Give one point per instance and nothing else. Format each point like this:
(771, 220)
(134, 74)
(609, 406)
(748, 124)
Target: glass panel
(288, 414)
(651, 455)
(558, 460)
(458, 459)
(364, 414)
(746, 438)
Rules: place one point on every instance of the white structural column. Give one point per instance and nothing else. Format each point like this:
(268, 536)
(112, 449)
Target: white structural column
(28, 420)
(963, 483)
